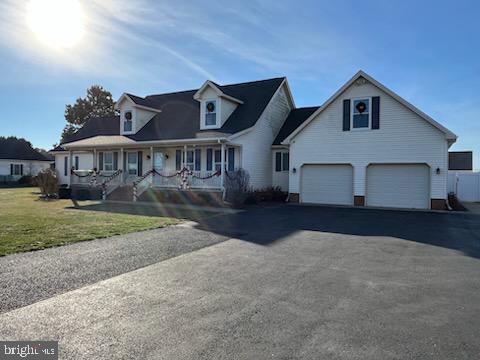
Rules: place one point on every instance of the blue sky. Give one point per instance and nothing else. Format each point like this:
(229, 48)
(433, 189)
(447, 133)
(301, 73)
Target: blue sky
(426, 51)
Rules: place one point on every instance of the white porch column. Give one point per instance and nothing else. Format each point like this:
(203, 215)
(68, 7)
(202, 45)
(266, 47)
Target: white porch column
(120, 166)
(184, 165)
(222, 161)
(151, 158)
(69, 164)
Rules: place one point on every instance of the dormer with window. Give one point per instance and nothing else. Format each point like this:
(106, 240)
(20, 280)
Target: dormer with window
(134, 114)
(215, 106)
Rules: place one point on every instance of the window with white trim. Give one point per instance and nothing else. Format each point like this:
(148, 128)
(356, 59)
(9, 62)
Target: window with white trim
(217, 161)
(190, 159)
(108, 161)
(17, 169)
(282, 160)
(361, 114)
(210, 113)
(128, 121)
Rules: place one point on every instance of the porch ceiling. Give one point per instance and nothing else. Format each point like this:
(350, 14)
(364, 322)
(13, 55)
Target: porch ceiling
(113, 140)
(126, 142)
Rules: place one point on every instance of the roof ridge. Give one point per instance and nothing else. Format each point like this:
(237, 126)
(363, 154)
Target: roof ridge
(255, 81)
(232, 84)
(171, 93)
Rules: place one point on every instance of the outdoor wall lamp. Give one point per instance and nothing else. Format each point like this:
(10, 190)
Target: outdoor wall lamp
(438, 171)
(294, 170)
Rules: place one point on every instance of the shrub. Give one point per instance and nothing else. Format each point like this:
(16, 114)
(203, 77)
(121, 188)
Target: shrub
(455, 203)
(237, 186)
(268, 194)
(25, 180)
(47, 181)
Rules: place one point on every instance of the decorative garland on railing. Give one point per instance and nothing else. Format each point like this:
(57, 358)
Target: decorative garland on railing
(105, 182)
(184, 174)
(112, 176)
(89, 173)
(216, 173)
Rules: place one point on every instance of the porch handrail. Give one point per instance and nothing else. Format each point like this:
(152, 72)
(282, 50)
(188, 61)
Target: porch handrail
(109, 179)
(137, 188)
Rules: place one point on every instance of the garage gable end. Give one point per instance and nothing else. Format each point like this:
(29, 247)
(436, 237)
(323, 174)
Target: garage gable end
(360, 79)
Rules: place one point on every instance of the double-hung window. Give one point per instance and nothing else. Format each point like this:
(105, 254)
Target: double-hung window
(214, 159)
(108, 161)
(128, 121)
(193, 160)
(210, 113)
(361, 113)
(282, 160)
(17, 169)
(218, 160)
(190, 160)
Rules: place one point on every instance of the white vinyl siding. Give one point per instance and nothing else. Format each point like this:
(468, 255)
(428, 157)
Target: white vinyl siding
(85, 162)
(403, 137)
(257, 144)
(279, 178)
(327, 184)
(398, 185)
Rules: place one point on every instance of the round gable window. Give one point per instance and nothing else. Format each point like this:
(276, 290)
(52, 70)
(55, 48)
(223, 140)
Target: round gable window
(128, 115)
(211, 106)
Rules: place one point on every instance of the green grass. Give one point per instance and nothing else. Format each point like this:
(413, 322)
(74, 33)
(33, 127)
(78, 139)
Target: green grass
(29, 223)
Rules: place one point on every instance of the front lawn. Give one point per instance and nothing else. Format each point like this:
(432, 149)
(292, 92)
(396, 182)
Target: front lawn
(28, 223)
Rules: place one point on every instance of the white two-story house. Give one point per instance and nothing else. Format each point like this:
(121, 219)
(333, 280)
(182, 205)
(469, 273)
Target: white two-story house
(365, 146)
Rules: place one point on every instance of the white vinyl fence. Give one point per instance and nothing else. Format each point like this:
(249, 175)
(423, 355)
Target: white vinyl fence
(465, 184)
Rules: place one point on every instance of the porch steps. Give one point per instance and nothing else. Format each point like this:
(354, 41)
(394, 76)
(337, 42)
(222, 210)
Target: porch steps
(184, 197)
(121, 193)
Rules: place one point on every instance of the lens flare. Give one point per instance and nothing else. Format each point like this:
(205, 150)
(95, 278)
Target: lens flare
(58, 24)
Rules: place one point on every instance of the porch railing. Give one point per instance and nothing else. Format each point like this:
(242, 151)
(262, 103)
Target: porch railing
(142, 184)
(90, 177)
(111, 183)
(185, 179)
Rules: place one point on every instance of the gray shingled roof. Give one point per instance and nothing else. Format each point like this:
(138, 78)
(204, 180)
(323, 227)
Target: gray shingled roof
(19, 149)
(180, 113)
(293, 121)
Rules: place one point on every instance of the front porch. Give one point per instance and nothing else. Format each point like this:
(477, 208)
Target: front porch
(192, 167)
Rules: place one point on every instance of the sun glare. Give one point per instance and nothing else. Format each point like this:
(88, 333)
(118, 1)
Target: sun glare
(59, 24)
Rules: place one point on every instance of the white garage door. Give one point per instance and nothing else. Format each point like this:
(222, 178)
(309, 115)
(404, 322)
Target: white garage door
(327, 184)
(402, 186)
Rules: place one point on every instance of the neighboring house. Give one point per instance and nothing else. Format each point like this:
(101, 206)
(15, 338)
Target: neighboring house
(460, 160)
(364, 146)
(18, 158)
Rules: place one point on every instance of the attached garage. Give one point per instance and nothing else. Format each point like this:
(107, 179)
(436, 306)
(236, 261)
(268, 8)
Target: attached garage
(327, 184)
(398, 185)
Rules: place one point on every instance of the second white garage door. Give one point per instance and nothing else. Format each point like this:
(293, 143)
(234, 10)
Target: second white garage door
(327, 184)
(402, 186)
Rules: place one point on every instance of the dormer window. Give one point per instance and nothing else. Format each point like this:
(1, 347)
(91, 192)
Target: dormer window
(127, 121)
(211, 113)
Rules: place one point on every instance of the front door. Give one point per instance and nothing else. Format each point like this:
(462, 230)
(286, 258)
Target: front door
(158, 160)
(132, 163)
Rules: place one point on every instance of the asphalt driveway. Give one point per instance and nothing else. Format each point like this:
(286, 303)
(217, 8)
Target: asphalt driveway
(285, 282)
